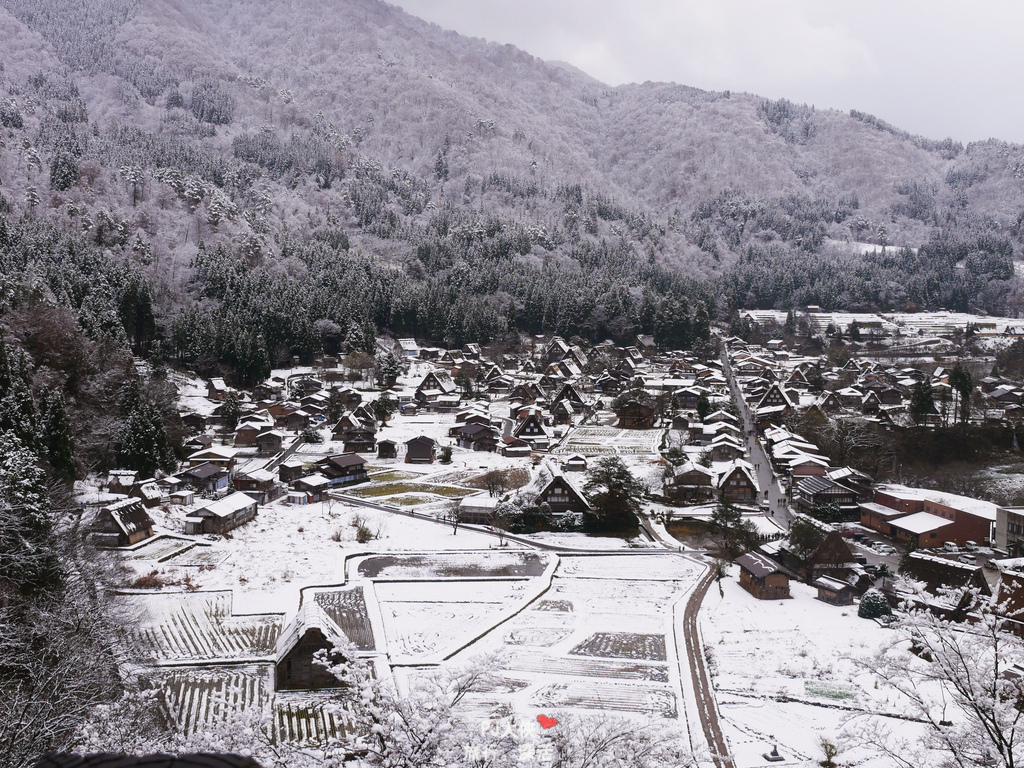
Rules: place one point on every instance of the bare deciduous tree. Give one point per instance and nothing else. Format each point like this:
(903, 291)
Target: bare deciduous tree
(952, 677)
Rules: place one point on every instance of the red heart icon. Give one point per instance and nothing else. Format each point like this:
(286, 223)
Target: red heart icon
(546, 722)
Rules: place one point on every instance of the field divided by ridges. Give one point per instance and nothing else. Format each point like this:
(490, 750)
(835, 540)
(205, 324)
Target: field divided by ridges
(186, 627)
(347, 609)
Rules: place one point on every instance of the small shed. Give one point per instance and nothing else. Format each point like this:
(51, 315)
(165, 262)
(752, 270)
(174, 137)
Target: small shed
(575, 463)
(183, 498)
(298, 498)
(387, 449)
(833, 591)
(763, 577)
(478, 510)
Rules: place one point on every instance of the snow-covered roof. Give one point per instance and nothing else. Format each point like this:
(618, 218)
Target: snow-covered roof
(129, 515)
(309, 616)
(921, 522)
(225, 507)
(758, 564)
(976, 507)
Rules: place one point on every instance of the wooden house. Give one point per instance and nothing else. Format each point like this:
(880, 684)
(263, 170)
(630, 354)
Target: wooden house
(690, 484)
(122, 524)
(530, 427)
(420, 450)
(343, 469)
(121, 480)
(563, 497)
(222, 515)
(194, 422)
(478, 510)
(218, 456)
(313, 487)
(217, 389)
(260, 484)
(737, 484)
(477, 437)
(435, 385)
(637, 416)
(726, 448)
(290, 470)
(763, 577)
(148, 491)
(813, 491)
(834, 591)
(206, 478)
(575, 463)
(270, 442)
(527, 393)
(309, 633)
(387, 449)
(825, 553)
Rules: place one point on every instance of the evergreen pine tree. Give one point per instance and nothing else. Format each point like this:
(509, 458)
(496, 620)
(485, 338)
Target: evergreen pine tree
(28, 556)
(64, 173)
(55, 434)
(142, 440)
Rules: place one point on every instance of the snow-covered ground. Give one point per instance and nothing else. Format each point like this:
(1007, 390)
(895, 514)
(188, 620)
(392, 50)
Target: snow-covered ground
(786, 673)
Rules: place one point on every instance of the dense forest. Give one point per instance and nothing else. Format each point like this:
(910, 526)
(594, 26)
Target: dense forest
(187, 200)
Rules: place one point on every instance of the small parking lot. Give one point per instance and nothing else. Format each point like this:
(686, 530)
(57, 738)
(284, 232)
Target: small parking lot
(877, 549)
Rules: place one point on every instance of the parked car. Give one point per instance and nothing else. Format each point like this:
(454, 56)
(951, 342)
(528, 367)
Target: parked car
(861, 559)
(949, 546)
(970, 546)
(969, 559)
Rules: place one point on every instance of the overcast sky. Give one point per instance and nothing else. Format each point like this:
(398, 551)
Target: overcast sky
(934, 67)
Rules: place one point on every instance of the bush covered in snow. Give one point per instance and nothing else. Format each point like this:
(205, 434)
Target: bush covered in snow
(873, 605)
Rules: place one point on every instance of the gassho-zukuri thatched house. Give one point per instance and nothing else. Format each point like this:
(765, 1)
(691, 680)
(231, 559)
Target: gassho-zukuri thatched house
(311, 631)
(763, 577)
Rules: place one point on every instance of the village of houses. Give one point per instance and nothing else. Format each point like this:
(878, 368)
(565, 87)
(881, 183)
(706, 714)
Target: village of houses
(292, 529)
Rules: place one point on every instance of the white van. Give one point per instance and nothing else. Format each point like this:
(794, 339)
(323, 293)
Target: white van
(950, 546)
(970, 546)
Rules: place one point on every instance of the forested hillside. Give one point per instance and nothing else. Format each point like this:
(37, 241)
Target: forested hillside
(286, 178)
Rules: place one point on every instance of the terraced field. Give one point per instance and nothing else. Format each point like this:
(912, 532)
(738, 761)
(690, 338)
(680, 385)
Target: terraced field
(182, 627)
(200, 697)
(642, 699)
(198, 556)
(347, 609)
(582, 667)
(595, 441)
(160, 548)
(197, 698)
(380, 490)
(627, 645)
(467, 565)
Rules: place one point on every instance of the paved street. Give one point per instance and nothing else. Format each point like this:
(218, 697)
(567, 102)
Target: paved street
(766, 480)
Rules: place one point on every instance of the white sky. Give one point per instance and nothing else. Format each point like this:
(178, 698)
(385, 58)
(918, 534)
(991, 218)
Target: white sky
(932, 67)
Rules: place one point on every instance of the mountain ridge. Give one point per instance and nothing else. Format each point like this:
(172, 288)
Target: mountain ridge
(262, 130)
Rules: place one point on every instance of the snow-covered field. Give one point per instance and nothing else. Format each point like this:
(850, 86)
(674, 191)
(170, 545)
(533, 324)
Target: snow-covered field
(786, 673)
(608, 441)
(601, 638)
